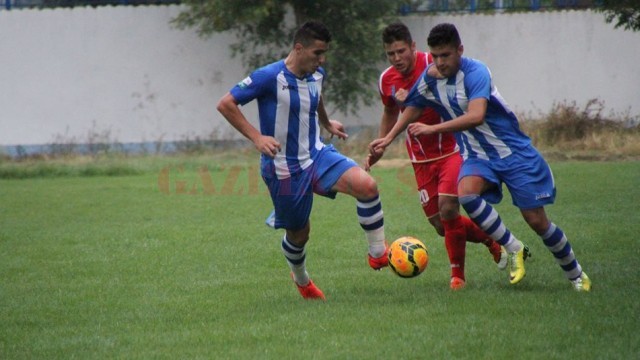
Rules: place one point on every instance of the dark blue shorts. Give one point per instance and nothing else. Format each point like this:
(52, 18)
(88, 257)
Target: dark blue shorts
(293, 197)
(526, 174)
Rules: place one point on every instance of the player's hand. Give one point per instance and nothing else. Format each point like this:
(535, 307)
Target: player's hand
(378, 146)
(268, 145)
(433, 72)
(416, 129)
(337, 129)
(401, 95)
(371, 159)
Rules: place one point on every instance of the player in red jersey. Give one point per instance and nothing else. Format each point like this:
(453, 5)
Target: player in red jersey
(435, 158)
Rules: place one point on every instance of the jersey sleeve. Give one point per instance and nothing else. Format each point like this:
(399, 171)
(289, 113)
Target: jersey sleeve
(429, 59)
(419, 93)
(477, 81)
(251, 87)
(386, 91)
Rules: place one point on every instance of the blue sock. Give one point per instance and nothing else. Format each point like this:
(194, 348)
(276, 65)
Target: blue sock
(487, 218)
(557, 243)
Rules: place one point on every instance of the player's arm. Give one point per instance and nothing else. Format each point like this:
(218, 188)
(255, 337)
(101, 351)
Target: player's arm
(228, 107)
(474, 117)
(409, 115)
(389, 119)
(334, 127)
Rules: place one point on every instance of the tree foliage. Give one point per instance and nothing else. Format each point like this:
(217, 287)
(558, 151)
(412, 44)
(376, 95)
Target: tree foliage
(264, 31)
(623, 13)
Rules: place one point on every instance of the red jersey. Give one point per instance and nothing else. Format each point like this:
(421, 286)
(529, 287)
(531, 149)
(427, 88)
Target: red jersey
(426, 147)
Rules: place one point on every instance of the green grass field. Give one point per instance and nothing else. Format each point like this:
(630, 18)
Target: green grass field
(174, 261)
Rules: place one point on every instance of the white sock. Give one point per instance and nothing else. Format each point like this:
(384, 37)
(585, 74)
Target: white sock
(376, 242)
(513, 245)
(371, 218)
(296, 258)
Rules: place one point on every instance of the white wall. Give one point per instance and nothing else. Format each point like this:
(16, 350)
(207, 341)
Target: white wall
(119, 69)
(125, 70)
(537, 59)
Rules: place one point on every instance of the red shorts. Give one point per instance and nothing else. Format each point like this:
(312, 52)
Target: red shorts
(434, 178)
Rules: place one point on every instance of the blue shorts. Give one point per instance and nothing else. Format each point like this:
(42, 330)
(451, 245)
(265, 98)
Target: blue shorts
(526, 174)
(293, 197)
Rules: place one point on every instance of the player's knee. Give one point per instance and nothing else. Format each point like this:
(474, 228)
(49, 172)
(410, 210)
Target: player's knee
(299, 237)
(448, 207)
(367, 187)
(371, 191)
(466, 199)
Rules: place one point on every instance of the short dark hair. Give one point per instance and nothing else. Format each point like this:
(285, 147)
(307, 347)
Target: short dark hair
(444, 34)
(396, 31)
(310, 31)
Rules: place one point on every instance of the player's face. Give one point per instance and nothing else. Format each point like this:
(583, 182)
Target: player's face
(401, 56)
(312, 56)
(447, 59)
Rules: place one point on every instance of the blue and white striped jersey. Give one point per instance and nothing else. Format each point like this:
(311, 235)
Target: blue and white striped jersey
(499, 136)
(287, 107)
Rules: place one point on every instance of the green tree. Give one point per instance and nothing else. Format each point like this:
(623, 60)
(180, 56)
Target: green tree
(624, 13)
(264, 30)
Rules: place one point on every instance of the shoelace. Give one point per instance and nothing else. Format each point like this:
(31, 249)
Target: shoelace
(577, 283)
(512, 257)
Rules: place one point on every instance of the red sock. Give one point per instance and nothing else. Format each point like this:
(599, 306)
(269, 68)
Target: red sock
(474, 233)
(455, 237)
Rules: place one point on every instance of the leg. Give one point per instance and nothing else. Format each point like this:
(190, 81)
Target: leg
(293, 244)
(536, 219)
(460, 230)
(359, 184)
(476, 235)
(292, 200)
(532, 187)
(485, 216)
(465, 229)
(437, 189)
(436, 222)
(337, 173)
(437, 185)
(555, 240)
(293, 248)
(455, 238)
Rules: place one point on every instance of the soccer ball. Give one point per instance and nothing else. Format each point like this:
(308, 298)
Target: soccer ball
(408, 257)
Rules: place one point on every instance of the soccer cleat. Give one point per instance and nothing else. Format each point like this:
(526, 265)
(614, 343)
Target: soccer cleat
(456, 283)
(516, 264)
(499, 255)
(310, 291)
(582, 283)
(380, 262)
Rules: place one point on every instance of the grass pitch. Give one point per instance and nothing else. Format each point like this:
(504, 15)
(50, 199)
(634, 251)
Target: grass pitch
(175, 261)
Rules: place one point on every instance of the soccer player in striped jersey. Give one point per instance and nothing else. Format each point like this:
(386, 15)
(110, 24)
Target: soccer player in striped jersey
(295, 163)
(435, 158)
(494, 149)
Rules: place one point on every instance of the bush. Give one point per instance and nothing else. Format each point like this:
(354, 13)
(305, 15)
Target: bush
(572, 132)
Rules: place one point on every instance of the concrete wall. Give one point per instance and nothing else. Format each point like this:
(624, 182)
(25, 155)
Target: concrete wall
(537, 59)
(125, 72)
(122, 70)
